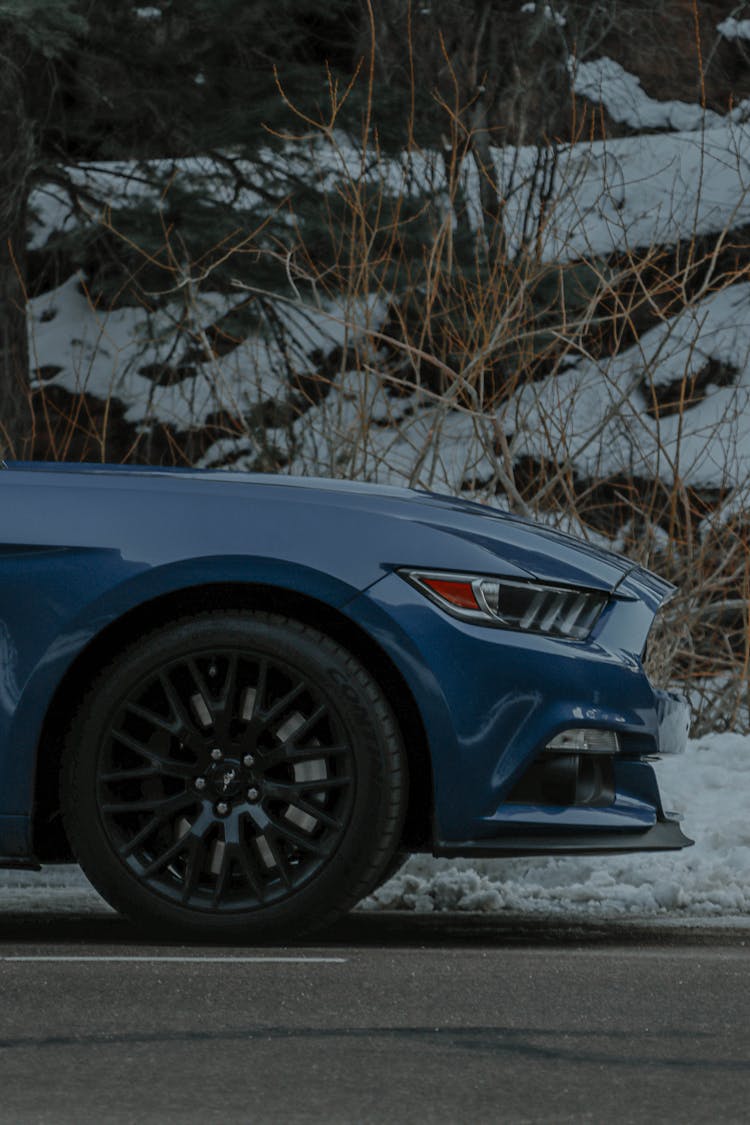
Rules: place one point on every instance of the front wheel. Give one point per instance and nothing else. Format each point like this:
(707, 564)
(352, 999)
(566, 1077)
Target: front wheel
(234, 775)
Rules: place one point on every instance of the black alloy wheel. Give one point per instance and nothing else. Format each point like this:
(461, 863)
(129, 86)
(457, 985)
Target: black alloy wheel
(234, 774)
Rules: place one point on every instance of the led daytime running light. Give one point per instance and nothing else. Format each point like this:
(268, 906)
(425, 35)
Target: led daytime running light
(557, 611)
(585, 740)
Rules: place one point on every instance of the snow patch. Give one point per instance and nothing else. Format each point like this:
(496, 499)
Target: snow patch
(105, 352)
(733, 28)
(602, 415)
(548, 12)
(606, 81)
(606, 196)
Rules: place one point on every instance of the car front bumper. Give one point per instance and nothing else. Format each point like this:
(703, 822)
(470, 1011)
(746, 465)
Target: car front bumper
(491, 700)
(673, 717)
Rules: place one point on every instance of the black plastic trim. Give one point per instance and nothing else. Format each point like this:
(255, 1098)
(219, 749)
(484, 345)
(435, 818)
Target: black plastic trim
(666, 835)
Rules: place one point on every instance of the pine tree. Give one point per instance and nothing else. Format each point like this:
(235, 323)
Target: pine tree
(33, 34)
(117, 80)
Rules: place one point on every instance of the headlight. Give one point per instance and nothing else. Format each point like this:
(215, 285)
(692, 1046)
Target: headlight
(557, 611)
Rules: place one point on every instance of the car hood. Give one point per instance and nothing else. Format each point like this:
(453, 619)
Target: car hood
(408, 527)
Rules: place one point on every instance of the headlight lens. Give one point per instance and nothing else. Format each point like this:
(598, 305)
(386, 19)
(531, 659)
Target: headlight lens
(556, 611)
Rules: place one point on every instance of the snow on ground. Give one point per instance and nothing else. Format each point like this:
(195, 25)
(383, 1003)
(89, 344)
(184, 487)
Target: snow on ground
(54, 890)
(606, 81)
(604, 196)
(105, 352)
(708, 882)
(602, 415)
(548, 13)
(608, 195)
(616, 415)
(733, 28)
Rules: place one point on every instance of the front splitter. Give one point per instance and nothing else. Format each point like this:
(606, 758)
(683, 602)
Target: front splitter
(665, 835)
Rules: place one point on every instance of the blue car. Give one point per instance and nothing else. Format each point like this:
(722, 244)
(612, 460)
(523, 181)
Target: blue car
(239, 701)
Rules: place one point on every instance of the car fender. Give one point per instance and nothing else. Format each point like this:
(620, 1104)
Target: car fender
(74, 624)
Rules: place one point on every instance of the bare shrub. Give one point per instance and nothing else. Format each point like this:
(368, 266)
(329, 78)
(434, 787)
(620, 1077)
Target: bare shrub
(456, 325)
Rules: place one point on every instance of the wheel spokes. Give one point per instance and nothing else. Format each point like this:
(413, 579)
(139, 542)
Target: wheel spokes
(297, 839)
(186, 842)
(235, 854)
(211, 787)
(287, 754)
(220, 709)
(196, 854)
(290, 790)
(129, 775)
(161, 763)
(161, 806)
(310, 809)
(184, 725)
(278, 709)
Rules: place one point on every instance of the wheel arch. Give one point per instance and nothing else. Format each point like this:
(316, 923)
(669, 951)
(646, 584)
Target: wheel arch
(50, 843)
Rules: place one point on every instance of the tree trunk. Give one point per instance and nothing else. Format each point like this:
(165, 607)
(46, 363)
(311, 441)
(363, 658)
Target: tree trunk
(490, 194)
(14, 351)
(16, 164)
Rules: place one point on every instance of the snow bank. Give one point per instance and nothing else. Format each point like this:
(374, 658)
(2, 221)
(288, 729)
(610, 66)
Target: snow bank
(607, 196)
(105, 352)
(710, 784)
(547, 11)
(733, 28)
(606, 81)
(604, 195)
(54, 890)
(602, 416)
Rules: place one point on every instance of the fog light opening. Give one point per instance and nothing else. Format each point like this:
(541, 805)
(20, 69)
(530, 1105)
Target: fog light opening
(567, 780)
(578, 780)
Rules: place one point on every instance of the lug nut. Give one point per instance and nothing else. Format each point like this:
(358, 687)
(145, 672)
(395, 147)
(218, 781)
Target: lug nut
(252, 793)
(222, 808)
(216, 754)
(200, 783)
(248, 760)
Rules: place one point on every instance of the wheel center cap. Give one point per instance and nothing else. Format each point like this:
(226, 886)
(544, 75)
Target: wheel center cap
(225, 779)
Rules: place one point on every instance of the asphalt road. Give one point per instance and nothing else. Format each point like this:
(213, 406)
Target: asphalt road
(382, 1019)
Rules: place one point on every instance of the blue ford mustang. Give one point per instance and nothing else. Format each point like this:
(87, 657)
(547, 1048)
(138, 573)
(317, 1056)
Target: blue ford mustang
(238, 701)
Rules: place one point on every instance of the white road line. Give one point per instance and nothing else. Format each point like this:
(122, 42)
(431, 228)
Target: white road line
(191, 960)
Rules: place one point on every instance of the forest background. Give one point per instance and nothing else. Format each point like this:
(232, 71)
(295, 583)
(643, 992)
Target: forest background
(493, 248)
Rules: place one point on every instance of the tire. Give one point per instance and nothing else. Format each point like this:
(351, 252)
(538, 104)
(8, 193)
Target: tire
(234, 775)
(397, 862)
